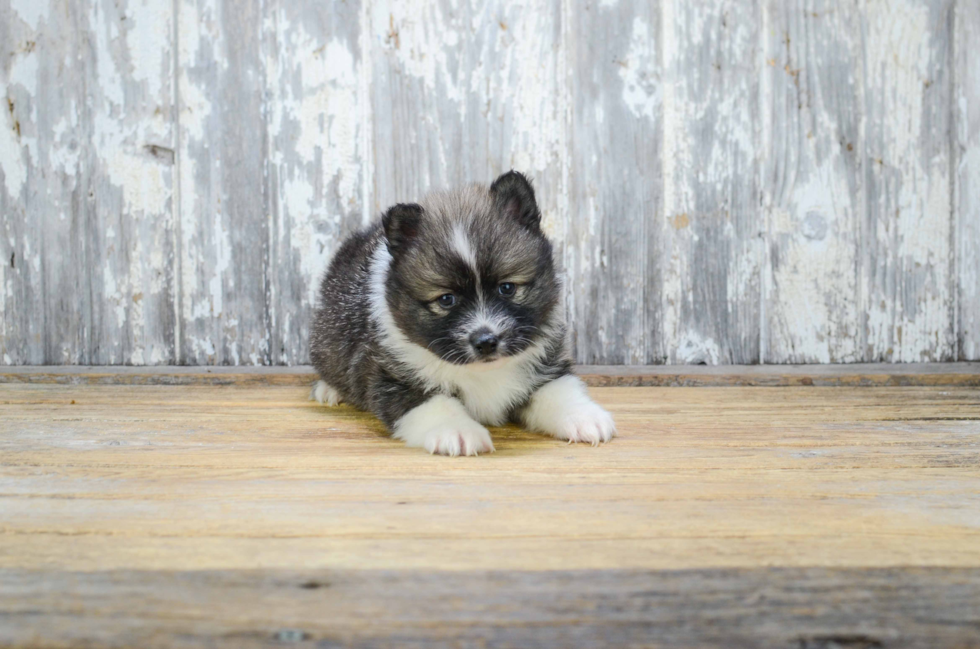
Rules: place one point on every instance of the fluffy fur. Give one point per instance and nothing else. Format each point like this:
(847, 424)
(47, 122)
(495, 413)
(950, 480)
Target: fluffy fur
(444, 318)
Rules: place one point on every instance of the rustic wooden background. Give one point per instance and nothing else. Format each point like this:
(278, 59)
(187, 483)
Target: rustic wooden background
(728, 181)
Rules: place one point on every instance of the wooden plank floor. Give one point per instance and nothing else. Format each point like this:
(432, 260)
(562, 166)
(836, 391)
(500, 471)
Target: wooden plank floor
(135, 515)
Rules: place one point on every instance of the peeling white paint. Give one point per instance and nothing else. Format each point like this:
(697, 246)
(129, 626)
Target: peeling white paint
(811, 299)
(6, 289)
(149, 29)
(326, 106)
(203, 261)
(143, 183)
(11, 159)
(21, 80)
(31, 13)
(966, 203)
(641, 88)
(222, 255)
(108, 78)
(912, 199)
(536, 126)
(695, 350)
(475, 89)
(65, 153)
(815, 277)
(968, 206)
(366, 112)
(712, 258)
(195, 109)
(409, 29)
(673, 149)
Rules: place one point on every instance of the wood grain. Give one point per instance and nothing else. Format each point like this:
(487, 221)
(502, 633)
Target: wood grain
(227, 516)
(195, 478)
(318, 155)
(86, 152)
(812, 608)
(907, 261)
(713, 258)
(813, 191)
(613, 237)
(224, 237)
(734, 181)
(462, 92)
(967, 179)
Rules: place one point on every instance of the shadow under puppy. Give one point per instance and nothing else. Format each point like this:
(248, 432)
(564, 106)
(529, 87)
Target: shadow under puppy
(444, 318)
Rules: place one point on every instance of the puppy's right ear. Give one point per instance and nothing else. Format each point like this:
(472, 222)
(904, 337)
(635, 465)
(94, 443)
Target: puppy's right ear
(401, 223)
(514, 196)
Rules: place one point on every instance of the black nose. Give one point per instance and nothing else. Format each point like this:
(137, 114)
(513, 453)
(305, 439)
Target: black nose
(484, 342)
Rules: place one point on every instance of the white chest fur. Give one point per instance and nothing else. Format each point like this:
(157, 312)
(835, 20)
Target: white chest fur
(488, 390)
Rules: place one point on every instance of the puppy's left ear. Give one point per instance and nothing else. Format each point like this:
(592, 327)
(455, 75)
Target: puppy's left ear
(514, 197)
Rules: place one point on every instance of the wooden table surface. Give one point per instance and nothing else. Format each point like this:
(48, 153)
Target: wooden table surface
(240, 516)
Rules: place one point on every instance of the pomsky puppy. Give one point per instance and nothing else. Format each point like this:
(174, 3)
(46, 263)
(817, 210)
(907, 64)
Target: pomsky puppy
(445, 317)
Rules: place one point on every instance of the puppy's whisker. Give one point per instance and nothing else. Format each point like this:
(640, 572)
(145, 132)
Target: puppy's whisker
(437, 340)
(454, 355)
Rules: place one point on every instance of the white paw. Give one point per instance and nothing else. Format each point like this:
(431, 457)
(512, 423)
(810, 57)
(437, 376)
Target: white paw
(442, 426)
(463, 438)
(564, 410)
(590, 424)
(323, 393)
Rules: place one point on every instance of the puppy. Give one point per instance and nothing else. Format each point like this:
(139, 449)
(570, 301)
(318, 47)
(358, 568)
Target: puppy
(444, 319)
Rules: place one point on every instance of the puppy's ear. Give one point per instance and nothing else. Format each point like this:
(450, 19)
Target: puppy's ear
(514, 197)
(401, 223)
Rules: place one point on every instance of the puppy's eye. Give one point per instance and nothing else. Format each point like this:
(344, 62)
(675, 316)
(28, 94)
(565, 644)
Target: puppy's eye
(446, 301)
(507, 289)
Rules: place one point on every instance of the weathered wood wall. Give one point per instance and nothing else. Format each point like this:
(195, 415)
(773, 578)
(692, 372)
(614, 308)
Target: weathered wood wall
(728, 181)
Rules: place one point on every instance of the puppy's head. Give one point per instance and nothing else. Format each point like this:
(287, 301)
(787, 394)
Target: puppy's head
(472, 278)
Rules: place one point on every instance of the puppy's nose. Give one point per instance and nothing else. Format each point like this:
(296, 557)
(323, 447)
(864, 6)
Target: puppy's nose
(484, 342)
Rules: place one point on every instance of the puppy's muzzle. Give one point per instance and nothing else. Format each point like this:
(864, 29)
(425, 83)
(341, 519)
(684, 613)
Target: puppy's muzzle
(484, 343)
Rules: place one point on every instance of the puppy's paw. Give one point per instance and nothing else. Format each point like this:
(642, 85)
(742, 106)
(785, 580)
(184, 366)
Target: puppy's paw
(564, 410)
(589, 423)
(463, 438)
(442, 426)
(323, 393)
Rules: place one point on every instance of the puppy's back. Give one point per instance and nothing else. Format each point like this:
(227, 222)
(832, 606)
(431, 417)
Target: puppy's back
(341, 324)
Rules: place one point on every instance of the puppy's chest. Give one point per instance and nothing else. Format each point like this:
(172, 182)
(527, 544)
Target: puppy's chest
(489, 394)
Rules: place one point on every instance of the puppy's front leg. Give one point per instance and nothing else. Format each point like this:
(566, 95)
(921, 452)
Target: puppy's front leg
(442, 425)
(563, 408)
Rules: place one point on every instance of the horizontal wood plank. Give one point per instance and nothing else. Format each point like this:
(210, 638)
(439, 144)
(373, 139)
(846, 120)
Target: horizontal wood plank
(862, 374)
(810, 608)
(246, 515)
(197, 477)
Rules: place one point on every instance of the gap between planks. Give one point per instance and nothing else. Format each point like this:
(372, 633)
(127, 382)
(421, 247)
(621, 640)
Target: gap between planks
(861, 374)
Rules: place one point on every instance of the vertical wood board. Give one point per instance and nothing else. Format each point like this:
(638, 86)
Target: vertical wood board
(812, 181)
(907, 279)
(614, 229)
(713, 252)
(967, 178)
(224, 225)
(318, 155)
(86, 153)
